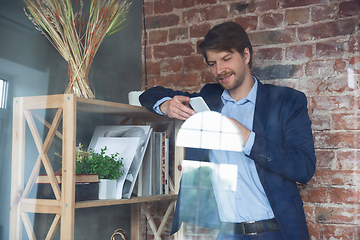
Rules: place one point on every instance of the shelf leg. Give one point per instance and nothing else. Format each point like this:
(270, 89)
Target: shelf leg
(135, 221)
(17, 169)
(68, 168)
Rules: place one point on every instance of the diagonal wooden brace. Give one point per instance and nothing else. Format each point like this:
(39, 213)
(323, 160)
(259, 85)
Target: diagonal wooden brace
(35, 172)
(44, 157)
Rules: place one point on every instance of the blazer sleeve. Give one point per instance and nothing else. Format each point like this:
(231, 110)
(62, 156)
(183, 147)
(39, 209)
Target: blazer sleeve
(286, 146)
(210, 92)
(152, 95)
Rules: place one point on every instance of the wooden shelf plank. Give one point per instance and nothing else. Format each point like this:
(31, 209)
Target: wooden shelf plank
(110, 202)
(40, 205)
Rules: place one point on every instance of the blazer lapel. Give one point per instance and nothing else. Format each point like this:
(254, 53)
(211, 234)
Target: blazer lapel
(262, 107)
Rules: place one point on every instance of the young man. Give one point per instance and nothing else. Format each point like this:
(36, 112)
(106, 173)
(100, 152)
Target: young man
(276, 131)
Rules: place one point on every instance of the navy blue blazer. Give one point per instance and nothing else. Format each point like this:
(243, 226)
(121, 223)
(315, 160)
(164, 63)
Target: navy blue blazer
(283, 150)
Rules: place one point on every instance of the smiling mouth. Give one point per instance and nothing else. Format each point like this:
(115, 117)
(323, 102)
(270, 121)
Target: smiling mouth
(224, 79)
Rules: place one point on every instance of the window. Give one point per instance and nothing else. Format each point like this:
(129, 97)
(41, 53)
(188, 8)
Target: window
(3, 93)
(210, 130)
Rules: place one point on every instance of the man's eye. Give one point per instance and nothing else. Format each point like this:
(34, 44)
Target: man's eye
(226, 59)
(211, 64)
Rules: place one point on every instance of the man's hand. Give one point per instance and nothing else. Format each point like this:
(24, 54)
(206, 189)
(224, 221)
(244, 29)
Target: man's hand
(178, 107)
(245, 133)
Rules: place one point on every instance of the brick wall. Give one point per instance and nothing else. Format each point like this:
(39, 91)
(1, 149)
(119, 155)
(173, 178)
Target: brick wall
(310, 45)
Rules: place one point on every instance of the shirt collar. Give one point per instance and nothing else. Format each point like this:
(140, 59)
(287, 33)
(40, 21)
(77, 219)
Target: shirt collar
(225, 97)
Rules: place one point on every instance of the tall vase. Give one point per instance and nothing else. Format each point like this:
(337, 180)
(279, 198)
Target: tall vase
(79, 84)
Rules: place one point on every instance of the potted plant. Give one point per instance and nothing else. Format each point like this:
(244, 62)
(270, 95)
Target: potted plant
(108, 167)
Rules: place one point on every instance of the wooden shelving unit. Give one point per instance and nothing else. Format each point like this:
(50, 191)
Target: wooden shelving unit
(64, 205)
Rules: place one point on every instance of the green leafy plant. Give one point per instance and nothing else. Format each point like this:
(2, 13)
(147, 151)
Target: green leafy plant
(106, 166)
(98, 163)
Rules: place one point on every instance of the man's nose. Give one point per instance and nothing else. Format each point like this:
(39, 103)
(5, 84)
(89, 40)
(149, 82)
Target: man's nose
(220, 68)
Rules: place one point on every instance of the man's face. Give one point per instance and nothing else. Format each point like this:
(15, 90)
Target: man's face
(228, 68)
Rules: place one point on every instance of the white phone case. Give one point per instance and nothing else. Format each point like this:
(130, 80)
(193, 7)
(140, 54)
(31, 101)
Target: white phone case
(198, 104)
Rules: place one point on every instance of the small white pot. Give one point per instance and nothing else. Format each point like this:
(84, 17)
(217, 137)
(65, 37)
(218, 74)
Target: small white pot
(107, 189)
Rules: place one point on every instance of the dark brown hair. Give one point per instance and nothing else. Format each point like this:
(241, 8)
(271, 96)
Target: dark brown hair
(226, 36)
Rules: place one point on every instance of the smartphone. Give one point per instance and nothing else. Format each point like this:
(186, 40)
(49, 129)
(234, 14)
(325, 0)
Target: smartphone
(198, 104)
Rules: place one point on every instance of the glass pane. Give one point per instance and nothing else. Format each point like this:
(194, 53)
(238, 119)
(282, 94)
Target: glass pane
(3, 93)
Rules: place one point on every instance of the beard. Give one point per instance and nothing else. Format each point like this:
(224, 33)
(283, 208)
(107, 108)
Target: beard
(230, 84)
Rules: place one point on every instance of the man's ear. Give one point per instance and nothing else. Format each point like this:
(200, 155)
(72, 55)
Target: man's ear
(246, 54)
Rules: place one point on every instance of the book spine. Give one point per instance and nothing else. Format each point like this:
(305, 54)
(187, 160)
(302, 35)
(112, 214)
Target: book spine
(167, 166)
(163, 162)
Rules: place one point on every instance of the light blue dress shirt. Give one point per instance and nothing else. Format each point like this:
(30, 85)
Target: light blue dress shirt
(243, 198)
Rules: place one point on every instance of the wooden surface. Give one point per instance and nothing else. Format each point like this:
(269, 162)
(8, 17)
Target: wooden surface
(110, 202)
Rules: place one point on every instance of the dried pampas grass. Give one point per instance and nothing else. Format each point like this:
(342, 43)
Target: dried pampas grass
(77, 36)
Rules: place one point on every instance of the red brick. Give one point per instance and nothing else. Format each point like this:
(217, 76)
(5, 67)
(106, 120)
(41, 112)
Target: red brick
(335, 177)
(298, 52)
(194, 63)
(324, 12)
(311, 86)
(178, 34)
(271, 20)
(170, 65)
(197, 45)
(319, 68)
(329, 48)
(153, 67)
(349, 160)
(320, 122)
(339, 66)
(331, 103)
(338, 215)
(199, 30)
(206, 77)
(314, 194)
(297, 16)
(344, 196)
(177, 81)
(326, 30)
(242, 7)
(333, 232)
(337, 139)
(309, 212)
(149, 8)
(354, 43)
(248, 22)
(173, 50)
(314, 231)
(162, 21)
(264, 6)
(324, 158)
(340, 84)
(159, 36)
(346, 121)
(184, 3)
(297, 3)
(350, 8)
(149, 54)
(269, 54)
(203, 14)
(201, 2)
(354, 60)
(272, 37)
(163, 6)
